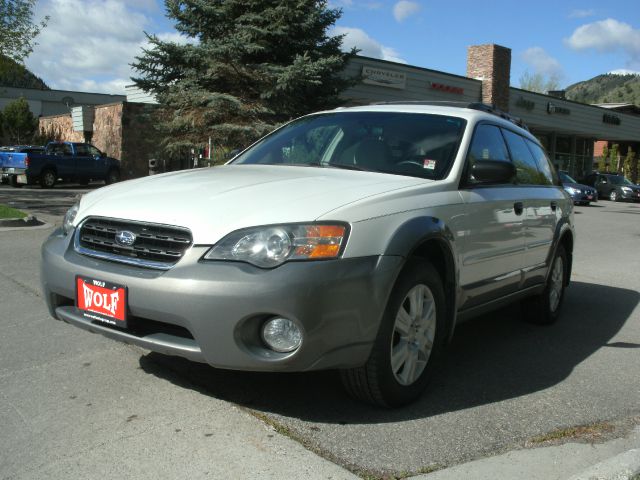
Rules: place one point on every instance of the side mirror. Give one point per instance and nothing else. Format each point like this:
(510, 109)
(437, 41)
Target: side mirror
(493, 171)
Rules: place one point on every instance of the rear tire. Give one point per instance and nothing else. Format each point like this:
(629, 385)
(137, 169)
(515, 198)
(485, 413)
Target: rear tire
(544, 309)
(613, 196)
(410, 341)
(48, 178)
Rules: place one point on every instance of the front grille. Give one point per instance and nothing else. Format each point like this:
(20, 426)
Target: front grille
(154, 245)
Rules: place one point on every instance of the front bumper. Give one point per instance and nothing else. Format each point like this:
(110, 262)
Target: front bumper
(584, 197)
(212, 312)
(633, 196)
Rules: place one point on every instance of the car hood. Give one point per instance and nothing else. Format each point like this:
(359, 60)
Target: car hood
(579, 186)
(213, 202)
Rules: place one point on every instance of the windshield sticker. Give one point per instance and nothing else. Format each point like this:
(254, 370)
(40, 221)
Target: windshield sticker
(429, 164)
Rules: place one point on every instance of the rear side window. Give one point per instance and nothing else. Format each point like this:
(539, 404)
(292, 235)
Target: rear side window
(527, 172)
(544, 165)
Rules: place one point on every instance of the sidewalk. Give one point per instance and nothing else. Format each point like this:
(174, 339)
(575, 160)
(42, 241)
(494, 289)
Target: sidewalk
(617, 459)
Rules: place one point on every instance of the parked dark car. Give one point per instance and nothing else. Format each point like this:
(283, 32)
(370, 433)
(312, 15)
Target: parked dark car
(580, 194)
(614, 187)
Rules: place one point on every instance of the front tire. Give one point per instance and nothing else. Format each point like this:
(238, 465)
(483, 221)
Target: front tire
(113, 176)
(410, 340)
(48, 179)
(544, 309)
(613, 196)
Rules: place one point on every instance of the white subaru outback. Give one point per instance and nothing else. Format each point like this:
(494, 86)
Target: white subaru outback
(354, 239)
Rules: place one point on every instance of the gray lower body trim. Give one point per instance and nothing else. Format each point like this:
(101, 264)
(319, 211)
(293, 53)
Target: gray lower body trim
(478, 310)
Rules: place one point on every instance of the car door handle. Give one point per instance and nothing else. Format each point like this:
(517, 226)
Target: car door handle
(518, 207)
(554, 205)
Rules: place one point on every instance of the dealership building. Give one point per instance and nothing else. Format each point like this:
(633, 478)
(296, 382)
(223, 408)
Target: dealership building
(122, 126)
(568, 130)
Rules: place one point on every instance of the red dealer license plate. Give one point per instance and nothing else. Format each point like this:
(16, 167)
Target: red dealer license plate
(102, 301)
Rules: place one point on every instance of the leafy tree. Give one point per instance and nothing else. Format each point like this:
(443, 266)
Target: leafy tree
(249, 65)
(614, 160)
(631, 165)
(17, 29)
(605, 156)
(19, 124)
(537, 82)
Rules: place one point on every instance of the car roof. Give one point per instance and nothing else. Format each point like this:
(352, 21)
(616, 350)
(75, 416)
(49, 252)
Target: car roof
(470, 111)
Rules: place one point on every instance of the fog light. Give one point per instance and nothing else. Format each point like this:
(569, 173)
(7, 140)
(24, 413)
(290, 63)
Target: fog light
(281, 334)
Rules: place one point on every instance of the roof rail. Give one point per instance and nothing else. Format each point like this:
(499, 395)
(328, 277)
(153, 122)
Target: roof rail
(492, 109)
(483, 107)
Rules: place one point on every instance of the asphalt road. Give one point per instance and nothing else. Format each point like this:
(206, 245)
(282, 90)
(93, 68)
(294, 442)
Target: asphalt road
(72, 400)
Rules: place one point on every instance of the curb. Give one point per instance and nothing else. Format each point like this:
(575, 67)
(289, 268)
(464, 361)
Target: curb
(28, 221)
(624, 466)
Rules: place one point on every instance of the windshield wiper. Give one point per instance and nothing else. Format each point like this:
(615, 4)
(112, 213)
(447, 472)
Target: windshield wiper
(346, 166)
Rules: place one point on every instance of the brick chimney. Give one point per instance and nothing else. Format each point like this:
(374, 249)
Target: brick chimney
(491, 64)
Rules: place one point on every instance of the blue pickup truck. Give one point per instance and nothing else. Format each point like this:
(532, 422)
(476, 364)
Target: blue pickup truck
(60, 161)
(12, 157)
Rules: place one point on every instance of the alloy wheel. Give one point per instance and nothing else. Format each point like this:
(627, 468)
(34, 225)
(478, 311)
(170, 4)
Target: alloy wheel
(413, 335)
(557, 280)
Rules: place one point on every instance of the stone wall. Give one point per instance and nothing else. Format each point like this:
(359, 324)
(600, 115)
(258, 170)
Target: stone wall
(107, 129)
(59, 128)
(491, 64)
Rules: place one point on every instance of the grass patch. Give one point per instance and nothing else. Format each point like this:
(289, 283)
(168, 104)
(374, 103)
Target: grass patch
(8, 212)
(590, 433)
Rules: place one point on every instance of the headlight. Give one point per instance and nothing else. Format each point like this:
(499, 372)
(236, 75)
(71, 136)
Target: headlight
(571, 190)
(69, 217)
(268, 247)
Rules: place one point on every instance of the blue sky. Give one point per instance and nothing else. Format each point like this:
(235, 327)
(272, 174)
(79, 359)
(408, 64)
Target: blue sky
(89, 44)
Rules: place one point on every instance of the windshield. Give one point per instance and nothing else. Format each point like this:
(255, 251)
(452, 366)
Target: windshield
(412, 144)
(619, 180)
(565, 178)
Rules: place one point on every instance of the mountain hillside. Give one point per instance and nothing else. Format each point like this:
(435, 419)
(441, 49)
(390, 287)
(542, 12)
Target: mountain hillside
(608, 88)
(12, 74)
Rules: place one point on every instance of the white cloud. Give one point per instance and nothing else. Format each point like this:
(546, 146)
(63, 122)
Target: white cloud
(608, 36)
(624, 71)
(175, 37)
(404, 9)
(351, 5)
(89, 44)
(541, 62)
(355, 37)
(582, 13)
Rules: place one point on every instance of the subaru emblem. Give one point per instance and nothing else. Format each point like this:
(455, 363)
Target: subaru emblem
(125, 238)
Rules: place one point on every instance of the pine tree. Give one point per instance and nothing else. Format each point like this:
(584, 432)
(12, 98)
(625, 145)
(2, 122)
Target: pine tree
(249, 66)
(19, 123)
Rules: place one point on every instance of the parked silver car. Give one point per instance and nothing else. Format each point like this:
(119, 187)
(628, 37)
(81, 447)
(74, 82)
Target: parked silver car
(352, 239)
